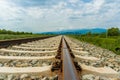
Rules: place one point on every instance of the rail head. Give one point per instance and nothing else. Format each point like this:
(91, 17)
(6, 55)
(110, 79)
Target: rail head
(69, 70)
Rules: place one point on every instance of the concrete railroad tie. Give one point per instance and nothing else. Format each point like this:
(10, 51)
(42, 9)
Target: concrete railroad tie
(20, 51)
(8, 70)
(24, 58)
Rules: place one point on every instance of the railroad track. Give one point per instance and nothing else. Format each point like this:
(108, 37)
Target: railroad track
(66, 65)
(50, 58)
(28, 59)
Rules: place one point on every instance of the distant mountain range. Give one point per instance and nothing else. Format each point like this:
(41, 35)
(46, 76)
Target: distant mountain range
(78, 31)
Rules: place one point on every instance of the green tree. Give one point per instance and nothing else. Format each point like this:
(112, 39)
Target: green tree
(113, 31)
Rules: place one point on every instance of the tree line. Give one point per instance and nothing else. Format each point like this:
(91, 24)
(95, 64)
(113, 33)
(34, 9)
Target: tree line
(4, 31)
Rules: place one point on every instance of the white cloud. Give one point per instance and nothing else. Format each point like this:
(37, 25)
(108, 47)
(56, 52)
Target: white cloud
(93, 7)
(73, 1)
(9, 10)
(97, 4)
(35, 12)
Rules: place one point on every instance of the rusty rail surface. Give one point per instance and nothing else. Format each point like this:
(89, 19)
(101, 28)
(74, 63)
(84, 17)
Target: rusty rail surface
(66, 64)
(69, 70)
(6, 43)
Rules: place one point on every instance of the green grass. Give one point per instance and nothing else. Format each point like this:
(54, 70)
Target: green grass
(11, 36)
(109, 43)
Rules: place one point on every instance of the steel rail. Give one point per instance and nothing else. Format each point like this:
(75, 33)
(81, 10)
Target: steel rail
(6, 43)
(69, 70)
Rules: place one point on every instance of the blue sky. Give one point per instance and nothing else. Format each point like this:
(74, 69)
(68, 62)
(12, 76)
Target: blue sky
(54, 15)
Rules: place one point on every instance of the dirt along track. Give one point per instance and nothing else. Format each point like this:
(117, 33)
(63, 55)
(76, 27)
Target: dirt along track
(34, 61)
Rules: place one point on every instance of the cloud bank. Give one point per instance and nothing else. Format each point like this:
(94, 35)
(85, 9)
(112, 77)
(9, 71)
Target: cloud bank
(53, 15)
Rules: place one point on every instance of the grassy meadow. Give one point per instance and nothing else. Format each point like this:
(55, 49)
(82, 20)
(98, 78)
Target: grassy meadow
(110, 43)
(8, 34)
